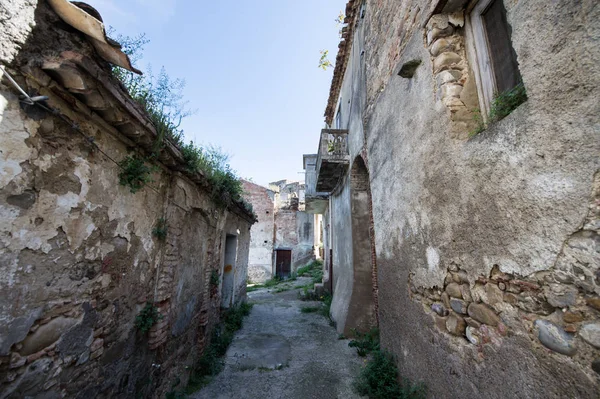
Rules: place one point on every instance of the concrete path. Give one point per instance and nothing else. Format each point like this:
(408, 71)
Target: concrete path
(282, 353)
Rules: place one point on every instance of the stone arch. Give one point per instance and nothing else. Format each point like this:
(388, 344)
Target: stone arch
(362, 311)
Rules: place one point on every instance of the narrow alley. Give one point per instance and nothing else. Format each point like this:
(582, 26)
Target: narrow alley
(281, 352)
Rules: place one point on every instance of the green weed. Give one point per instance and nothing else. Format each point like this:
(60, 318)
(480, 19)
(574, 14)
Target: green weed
(147, 317)
(365, 343)
(160, 229)
(135, 173)
(507, 101)
(211, 363)
(379, 380)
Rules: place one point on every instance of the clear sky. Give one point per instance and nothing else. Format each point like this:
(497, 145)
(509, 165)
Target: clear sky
(250, 69)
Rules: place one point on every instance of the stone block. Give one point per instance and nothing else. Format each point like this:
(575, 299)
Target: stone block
(453, 290)
(483, 314)
(47, 334)
(455, 325)
(446, 60)
(441, 45)
(555, 338)
(560, 296)
(590, 333)
(458, 305)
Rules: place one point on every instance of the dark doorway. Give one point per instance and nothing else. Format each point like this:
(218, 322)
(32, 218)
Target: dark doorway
(283, 263)
(228, 271)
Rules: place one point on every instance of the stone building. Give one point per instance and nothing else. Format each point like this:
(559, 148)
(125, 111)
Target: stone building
(286, 236)
(458, 179)
(81, 255)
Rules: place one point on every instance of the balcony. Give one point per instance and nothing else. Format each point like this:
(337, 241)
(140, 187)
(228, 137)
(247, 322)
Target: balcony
(332, 160)
(315, 202)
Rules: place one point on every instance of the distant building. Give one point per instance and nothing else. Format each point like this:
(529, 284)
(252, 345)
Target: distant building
(285, 236)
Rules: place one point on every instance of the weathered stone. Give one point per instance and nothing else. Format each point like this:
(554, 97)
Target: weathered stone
(445, 60)
(594, 303)
(494, 294)
(483, 314)
(453, 290)
(439, 21)
(16, 330)
(35, 356)
(510, 298)
(46, 334)
(451, 90)
(436, 33)
(502, 286)
(466, 292)
(97, 344)
(472, 322)
(560, 296)
(458, 305)
(590, 333)
(447, 76)
(571, 328)
(572, 317)
(24, 200)
(562, 277)
(16, 361)
(439, 309)
(441, 45)
(471, 335)
(555, 338)
(440, 322)
(478, 293)
(446, 300)
(455, 325)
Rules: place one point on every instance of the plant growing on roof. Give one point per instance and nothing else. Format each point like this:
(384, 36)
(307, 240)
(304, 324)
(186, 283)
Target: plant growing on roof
(135, 173)
(324, 62)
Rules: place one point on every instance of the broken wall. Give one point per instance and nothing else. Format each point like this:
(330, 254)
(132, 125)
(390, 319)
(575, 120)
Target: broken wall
(78, 258)
(260, 263)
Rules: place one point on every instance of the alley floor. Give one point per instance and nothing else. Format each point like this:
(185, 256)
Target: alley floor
(282, 353)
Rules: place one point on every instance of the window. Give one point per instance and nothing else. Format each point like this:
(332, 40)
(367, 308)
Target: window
(490, 51)
(338, 116)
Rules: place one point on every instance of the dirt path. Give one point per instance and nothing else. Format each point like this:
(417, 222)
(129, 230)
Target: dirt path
(284, 353)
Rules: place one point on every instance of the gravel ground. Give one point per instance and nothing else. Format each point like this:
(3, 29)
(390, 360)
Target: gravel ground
(283, 353)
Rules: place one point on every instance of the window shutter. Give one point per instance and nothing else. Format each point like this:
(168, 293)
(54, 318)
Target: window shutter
(503, 57)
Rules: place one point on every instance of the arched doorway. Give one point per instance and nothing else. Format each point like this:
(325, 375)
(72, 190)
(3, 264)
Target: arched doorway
(362, 312)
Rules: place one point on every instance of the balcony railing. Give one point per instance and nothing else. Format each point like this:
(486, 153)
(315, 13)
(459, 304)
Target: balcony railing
(333, 158)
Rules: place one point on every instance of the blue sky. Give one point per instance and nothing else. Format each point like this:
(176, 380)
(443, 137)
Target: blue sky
(250, 69)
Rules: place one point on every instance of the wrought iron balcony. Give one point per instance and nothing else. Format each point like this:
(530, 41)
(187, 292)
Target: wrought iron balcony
(333, 158)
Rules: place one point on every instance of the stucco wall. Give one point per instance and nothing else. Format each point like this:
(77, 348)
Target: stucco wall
(515, 199)
(78, 259)
(487, 248)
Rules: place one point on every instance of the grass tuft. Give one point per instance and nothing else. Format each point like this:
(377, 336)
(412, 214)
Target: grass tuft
(379, 380)
(365, 343)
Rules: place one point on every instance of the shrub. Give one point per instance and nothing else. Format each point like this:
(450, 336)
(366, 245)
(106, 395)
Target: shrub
(135, 173)
(147, 317)
(365, 343)
(379, 380)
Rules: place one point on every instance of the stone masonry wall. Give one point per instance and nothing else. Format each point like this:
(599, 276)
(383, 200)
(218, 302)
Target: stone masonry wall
(78, 257)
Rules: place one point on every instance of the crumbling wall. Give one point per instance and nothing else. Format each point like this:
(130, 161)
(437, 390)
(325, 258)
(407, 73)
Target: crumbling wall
(78, 256)
(487, 248)
(260, 264)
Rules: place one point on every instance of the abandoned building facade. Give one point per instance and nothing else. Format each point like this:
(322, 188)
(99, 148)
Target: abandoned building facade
(82, 257)
(285, 236)
(458, 181)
